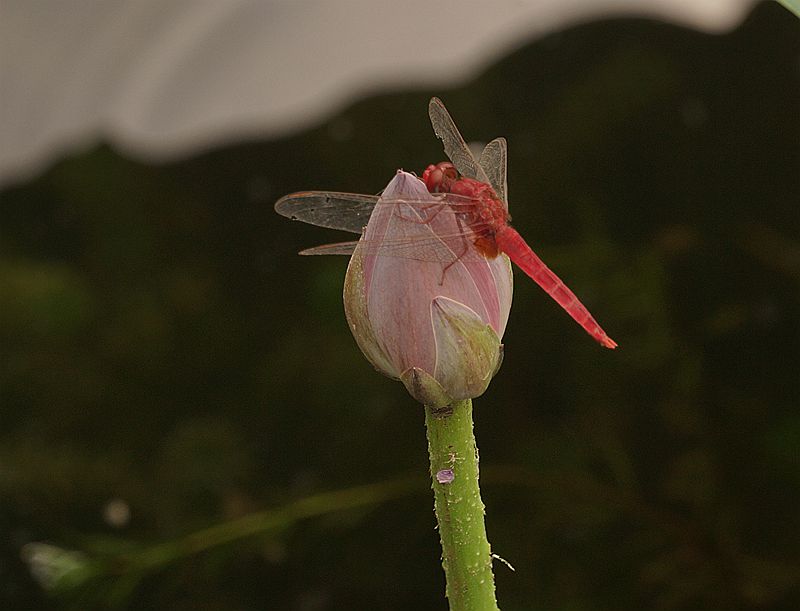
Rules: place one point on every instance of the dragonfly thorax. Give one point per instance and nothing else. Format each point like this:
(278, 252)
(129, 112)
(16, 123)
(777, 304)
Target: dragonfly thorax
(489, 209)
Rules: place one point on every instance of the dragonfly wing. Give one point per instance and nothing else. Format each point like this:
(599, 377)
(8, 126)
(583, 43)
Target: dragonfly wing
(454, 145)
(436, 229)
(345, 211)
(341, 248)
(444, 249)
(494, 160)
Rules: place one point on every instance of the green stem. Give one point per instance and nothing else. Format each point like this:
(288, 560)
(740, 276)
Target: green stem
(466, 555)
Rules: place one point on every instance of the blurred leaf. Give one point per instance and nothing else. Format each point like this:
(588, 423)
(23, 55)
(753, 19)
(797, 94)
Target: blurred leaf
(792, 5)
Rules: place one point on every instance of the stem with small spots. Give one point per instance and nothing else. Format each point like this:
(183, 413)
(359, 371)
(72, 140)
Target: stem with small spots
(466, 555)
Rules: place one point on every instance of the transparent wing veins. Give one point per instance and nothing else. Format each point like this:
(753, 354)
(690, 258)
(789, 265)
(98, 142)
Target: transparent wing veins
(351, 211)
(454, 146)
(494, 161)
(434, 247)
(340, 248)
(344, 211)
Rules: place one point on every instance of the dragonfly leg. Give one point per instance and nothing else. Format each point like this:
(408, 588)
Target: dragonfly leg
(428, 218)
(466, 245)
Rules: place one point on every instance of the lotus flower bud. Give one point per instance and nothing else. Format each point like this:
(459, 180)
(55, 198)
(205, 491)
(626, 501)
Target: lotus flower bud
(421, 310)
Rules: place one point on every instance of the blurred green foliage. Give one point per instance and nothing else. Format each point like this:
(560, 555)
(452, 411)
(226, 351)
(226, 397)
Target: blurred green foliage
(168, 365)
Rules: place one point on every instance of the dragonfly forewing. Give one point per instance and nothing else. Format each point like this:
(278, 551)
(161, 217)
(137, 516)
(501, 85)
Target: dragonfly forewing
(454, 146)
(344, 211)
(352, 211)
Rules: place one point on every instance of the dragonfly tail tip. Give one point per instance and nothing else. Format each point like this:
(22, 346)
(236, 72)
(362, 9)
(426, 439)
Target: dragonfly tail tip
(607, 342)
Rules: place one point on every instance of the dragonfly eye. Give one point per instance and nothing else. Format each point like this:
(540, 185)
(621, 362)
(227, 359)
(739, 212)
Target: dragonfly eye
(439, 178)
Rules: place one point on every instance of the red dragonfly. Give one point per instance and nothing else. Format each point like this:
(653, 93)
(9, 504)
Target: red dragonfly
(473, 190)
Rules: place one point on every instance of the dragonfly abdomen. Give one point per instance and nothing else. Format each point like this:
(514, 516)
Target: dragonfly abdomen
(511, 243)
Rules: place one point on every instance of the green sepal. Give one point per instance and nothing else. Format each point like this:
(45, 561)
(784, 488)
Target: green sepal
(424, 388)
(467, 349)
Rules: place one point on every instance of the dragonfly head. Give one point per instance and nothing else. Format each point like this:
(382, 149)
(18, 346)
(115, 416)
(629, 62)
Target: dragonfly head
(439, 178)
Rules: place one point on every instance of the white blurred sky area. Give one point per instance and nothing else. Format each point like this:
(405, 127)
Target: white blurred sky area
(165, 78)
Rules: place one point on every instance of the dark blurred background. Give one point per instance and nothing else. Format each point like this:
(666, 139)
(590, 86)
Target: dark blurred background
(170, 365)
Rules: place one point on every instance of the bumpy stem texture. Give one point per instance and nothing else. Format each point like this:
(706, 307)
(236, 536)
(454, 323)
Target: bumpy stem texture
(466, 555)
